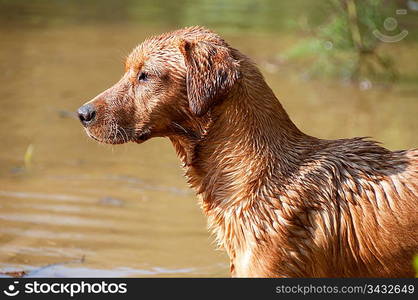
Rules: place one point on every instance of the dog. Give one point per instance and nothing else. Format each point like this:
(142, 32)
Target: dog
(280, 202)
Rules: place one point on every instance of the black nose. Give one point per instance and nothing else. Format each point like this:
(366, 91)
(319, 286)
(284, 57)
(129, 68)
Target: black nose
(86, 114)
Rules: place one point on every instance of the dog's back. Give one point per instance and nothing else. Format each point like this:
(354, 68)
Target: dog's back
(351, 209)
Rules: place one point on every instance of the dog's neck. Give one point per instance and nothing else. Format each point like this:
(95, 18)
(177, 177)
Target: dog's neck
(248, 133)
(232, 154)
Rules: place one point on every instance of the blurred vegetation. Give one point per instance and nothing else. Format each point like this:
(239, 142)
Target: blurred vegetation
(345, 45)
(415, 262)
(339, 33)
(227, 15)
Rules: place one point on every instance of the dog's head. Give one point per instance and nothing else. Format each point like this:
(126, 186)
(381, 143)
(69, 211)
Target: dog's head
(168, 79)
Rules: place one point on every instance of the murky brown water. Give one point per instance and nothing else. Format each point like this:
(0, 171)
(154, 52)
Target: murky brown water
(82, 209)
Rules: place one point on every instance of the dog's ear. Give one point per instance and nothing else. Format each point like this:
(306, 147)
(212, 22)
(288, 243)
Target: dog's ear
(211, 71)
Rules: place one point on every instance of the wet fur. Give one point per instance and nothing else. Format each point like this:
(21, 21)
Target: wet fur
(280, 202)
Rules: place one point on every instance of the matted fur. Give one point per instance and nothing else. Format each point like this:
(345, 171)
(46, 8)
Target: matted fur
(280, 202)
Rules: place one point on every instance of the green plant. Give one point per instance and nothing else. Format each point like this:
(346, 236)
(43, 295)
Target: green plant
(345, 44)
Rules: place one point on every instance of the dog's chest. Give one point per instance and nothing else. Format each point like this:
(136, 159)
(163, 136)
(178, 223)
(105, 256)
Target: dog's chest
(242, 264)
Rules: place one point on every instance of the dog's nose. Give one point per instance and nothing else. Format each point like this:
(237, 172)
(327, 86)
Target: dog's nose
(86, 114)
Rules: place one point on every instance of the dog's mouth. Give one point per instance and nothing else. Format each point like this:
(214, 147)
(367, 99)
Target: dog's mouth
(113, 137)
(119, 135)
(142, 136)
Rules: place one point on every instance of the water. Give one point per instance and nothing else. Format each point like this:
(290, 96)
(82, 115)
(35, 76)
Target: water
(82, 209)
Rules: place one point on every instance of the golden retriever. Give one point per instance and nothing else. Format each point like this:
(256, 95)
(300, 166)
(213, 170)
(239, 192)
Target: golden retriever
(280, 202)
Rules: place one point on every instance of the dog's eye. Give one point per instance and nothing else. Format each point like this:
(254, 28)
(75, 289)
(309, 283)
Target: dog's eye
(142, 76)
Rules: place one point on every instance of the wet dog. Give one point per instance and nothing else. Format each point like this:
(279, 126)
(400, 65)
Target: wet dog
(280, 202)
